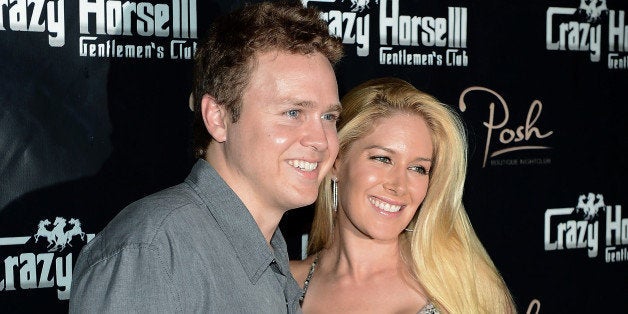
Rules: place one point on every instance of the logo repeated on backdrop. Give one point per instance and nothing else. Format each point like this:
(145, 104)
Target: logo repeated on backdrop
(578, 228)
(38, 16)
(401, 39)
(588, 28)
(43, 260)
(504, 138)
(117, 29)
(111, 28)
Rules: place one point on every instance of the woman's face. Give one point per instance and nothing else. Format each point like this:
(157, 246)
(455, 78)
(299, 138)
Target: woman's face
(383, 177)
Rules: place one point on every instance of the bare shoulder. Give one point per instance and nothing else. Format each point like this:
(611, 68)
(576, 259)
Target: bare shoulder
(300, 269)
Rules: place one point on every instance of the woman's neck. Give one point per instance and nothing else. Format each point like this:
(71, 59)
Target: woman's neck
(352, 253)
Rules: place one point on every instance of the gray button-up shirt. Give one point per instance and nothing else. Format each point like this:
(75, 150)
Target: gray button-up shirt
(192, 248)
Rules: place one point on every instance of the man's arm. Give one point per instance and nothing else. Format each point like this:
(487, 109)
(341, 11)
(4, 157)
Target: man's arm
(131, 280)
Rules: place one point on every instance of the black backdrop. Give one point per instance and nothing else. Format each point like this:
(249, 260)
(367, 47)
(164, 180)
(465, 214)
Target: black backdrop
(86, 128)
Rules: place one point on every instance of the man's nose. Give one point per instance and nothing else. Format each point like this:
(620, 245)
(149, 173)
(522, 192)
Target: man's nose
(315, 135)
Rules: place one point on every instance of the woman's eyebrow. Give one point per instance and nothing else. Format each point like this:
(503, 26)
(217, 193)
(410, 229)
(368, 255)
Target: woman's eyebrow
(392, 151)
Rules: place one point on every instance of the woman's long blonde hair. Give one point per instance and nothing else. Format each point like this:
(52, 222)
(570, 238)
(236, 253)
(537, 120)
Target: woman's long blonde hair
(446, 257)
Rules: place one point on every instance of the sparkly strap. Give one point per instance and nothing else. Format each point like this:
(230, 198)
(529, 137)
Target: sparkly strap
(308, 278)
(429, 308)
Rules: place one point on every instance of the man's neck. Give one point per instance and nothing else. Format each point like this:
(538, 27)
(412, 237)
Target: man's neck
(266, 218)
(267, 222)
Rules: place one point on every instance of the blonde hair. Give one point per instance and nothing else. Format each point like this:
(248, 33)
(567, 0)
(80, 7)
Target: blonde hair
(445, 255)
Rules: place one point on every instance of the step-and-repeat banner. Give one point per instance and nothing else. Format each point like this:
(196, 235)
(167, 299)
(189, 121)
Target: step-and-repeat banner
(94, 114)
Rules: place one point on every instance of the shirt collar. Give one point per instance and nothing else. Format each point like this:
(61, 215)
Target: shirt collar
(237, 223)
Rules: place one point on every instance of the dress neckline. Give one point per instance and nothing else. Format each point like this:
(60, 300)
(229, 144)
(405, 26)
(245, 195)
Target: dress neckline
(306, 284)
(429, 308)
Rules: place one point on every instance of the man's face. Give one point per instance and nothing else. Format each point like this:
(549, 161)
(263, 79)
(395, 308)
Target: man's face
(285, 140)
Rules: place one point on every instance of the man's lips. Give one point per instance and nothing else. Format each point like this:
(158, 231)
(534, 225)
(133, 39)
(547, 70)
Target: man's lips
(303, 165)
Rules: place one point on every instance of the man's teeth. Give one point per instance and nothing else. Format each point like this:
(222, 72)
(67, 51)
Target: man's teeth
(303, 165)
(384, 206)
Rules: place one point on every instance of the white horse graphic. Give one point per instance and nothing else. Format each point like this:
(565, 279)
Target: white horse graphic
(59, 233)
(58, 238)
(42, 231)
(76, 230)
(360, 5)
(590, 205)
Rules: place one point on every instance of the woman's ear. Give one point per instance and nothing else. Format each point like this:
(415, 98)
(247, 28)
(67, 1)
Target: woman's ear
(335, 168)
(214, 117)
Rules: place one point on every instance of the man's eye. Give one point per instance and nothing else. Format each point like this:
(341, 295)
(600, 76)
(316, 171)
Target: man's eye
(330, 117)
(293, 113)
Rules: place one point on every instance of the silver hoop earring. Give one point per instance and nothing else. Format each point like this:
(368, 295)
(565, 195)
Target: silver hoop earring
(334, 194)
(408, 230)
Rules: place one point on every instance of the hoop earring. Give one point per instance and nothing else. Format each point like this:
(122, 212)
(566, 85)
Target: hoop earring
(334, 194)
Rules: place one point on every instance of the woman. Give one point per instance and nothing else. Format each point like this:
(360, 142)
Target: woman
(390, 233)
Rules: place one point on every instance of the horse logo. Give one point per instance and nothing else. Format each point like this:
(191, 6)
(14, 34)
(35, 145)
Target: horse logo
(356, 5)
(360, 5)
(590, 205)
(593, 10)
(42, 231)
(58, 238)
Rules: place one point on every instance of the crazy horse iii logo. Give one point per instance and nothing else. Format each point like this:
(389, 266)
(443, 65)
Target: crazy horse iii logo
(588, 28)
(57, 238)
(405, 34)
(579, 227)
(24, 266)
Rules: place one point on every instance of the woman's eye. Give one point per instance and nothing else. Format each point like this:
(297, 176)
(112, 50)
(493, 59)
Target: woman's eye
(419, 169)
(293, 113)
(382, 159)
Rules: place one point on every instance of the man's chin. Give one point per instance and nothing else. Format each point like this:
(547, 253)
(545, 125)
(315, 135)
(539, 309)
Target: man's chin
(303, 200)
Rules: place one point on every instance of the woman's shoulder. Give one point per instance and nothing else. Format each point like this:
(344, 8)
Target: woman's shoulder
(301, 268)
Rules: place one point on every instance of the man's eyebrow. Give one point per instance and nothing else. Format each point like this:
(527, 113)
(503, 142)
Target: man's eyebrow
(309, 104)
(303, 104)
(335, 107)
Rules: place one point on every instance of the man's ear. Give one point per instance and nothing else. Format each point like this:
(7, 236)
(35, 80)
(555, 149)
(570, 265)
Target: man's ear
(214, 117)
(191, 102)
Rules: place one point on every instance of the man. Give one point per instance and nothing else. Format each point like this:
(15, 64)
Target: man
(266, 103)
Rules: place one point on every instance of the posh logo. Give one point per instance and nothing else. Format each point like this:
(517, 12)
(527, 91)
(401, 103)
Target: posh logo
(509, 138)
